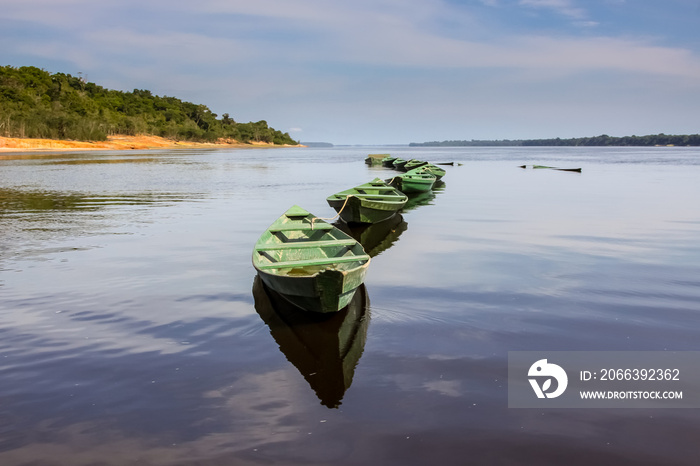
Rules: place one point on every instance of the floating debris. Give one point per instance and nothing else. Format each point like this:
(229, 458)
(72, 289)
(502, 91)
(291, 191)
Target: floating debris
(578, 170)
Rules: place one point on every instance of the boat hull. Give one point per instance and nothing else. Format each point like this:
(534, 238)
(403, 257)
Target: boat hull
(412, 164)
(388, 162)
(358, 210)
(327, 291)
(309, 262)
(408, 183)
(371, 202)
(375, 159)
(413, 186)
(432, 169)
(399, 164)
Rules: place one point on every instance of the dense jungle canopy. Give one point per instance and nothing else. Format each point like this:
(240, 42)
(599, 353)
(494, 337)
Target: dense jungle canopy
(37, 104)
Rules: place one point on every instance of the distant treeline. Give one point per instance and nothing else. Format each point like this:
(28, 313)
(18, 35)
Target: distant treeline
(37, 104)
(316, 144)
(603, 140)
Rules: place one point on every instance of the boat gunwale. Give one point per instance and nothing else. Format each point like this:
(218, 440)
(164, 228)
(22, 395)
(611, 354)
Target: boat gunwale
(429, 166)
(369, 197)
(396, 196)
(315, 262)
(414, 163)
(419, 176)
(263, 262)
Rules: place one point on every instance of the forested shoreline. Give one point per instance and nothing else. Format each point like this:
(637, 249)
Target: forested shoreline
(37, 104)
(602, 140)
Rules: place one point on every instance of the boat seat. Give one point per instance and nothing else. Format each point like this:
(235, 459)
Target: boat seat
(385, 197)
(388, 195)
(376, 190)
(311, 262)
(304, 227)
(306, 244)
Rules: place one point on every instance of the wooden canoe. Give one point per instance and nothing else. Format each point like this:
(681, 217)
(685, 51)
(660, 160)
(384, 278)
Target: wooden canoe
(413, 163)
(432, 169)
(413, 182)
(325, 348)
(371, 202)
(388, 161)
(309, 262)
(374, 159)
(399, 163)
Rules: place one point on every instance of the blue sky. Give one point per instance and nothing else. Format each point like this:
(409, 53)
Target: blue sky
(386, 71)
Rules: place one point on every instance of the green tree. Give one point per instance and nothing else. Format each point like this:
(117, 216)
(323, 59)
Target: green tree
(35, 103)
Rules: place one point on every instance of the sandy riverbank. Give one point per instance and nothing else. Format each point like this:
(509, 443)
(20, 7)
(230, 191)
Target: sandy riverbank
(112, 143)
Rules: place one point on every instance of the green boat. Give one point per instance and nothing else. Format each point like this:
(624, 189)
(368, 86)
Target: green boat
(432, 169)
(399, 163)
(375, 159)
(413, 163)
(368, 203)
(388, 161)
(325, 348)
(413, 182)
(309, 262)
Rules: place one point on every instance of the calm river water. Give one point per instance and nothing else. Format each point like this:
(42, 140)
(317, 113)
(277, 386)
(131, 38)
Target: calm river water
(132, 330)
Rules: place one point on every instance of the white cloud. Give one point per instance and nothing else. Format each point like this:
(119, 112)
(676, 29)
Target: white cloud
(393, 33)
(51, 13)
(413, 48)
(563, 7)
(339, 14)
(586, 24)
(407, 35)
(313, 63)
(181, 47)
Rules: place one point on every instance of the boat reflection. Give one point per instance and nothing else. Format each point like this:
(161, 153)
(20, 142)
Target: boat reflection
(325, 348)
(417, 200)
(376, 238)
(426, 198)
